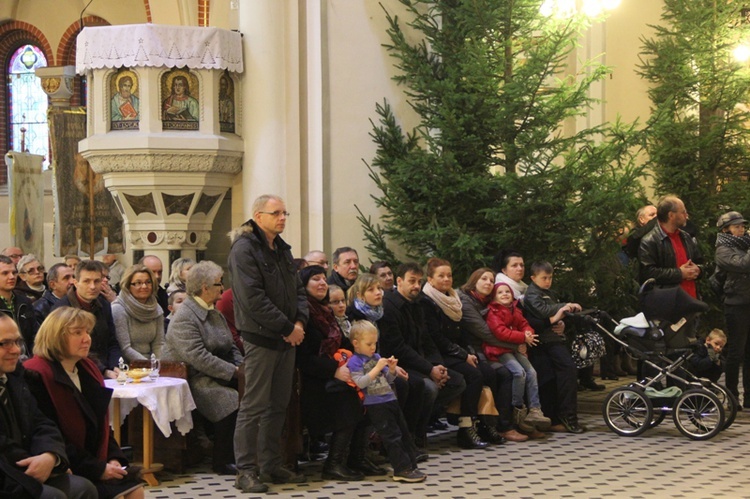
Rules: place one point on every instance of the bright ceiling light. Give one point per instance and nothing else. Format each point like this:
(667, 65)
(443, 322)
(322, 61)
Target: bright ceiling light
(741, 53)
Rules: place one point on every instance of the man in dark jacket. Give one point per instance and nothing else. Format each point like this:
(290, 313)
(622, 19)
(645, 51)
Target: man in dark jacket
(345, 267)
(105, 350)
(668, 254)
(404, 335)
(33, 462)
(16, 305)
(59, 282)
(270, 312)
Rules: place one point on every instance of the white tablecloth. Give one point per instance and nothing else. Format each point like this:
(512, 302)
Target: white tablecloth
(155, 45)
(168, 399)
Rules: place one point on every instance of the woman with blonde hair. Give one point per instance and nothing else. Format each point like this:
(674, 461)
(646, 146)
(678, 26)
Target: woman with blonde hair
(178, 274)
(138, 318)
(70, 391)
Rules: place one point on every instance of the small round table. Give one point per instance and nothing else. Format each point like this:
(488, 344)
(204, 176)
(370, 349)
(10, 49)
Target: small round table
(164, 400)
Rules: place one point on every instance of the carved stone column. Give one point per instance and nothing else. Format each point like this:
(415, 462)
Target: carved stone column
(57, 82)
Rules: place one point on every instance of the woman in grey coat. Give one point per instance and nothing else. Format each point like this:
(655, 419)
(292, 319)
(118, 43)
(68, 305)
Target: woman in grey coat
(138, 318)
(198, 335)
(733, 260)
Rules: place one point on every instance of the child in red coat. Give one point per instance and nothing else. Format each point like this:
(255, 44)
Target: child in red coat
(507, 324)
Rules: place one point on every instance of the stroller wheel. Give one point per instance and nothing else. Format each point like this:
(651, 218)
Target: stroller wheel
(658, 417)
(698, 414)
(728, 401)
(627, 411)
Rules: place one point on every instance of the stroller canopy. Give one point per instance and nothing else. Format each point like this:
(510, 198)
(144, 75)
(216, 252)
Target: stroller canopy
(670, 304)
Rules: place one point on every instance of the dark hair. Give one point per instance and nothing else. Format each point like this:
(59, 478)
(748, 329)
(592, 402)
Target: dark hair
(338, 251)
(409, 267)
(89, 266)
(502, 259)
(379, 265)
(300, 263)
(434, 263)
(666, 205)
(53, 271)
(471, 283)
(538, 267)
(6, 260)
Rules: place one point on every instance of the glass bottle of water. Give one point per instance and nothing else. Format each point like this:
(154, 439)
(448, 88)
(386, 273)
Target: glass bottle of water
(154, 374)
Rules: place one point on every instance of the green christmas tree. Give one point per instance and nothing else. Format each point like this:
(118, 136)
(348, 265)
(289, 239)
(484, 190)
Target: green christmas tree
(492, 163)
(698, 130)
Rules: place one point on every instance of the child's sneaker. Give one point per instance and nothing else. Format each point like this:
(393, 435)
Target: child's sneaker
(536, 418)
(410, 476)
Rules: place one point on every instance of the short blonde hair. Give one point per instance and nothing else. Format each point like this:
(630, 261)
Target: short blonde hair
(49, 342)
(717, 334)
(361, 328)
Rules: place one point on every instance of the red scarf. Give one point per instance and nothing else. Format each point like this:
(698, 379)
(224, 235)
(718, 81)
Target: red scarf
(71, 420)
(326, 322)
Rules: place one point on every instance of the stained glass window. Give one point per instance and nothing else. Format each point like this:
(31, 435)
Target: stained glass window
(28, 102)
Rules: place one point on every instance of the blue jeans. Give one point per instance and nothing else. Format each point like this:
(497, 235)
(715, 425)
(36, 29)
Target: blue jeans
(524, 379)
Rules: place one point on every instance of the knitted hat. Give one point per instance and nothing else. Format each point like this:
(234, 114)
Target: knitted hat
(497, 286)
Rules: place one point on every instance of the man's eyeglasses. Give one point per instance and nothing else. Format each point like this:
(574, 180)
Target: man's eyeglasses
(6, 344)
(140, 284)
(275, 214)
(34, 270)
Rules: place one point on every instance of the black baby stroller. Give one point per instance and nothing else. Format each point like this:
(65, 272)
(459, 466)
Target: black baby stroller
(663, 338)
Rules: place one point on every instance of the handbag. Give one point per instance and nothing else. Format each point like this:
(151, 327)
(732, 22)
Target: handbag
(485, 407)
(586, 348)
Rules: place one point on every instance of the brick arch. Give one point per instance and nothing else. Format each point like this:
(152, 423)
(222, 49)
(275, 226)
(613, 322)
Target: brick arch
(66, 49)
(13, 35)
(66, 52)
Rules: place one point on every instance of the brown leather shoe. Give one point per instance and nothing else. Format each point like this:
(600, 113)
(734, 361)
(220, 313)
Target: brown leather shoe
(514, 436)
(558, 428)
(536, 435)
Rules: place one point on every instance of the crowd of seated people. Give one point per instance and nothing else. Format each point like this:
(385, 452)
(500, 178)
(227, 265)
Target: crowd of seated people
(431, 339)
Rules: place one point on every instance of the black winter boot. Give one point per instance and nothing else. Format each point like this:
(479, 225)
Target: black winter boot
(358, 460)
(335, 467)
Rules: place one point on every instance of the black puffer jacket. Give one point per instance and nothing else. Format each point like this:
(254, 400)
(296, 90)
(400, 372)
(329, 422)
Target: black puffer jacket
(657, 259)
(733, 258)
(268, 294)
(24, 315)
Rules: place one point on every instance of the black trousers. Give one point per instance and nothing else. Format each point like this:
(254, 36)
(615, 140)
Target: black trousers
(558, 380)
(389, 423)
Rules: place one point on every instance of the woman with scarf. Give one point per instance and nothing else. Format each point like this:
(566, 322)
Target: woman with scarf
(329, 400)
(733, 260)
(70, 391)
(443, 312)
(475, 297)
(139, 320)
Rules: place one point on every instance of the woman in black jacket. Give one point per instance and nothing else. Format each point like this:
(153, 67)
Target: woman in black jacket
(329, 401)
(443, 313)
(733, 259)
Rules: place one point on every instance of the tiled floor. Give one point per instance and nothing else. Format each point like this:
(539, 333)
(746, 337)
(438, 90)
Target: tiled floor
(660, 463)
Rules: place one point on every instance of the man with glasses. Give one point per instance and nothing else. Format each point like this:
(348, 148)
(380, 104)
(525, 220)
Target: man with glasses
(317, 257)
(668, 254)
(87, 295)
(59, 282)
(33, 462)
(270, 311)
(30, 277)
(16, 305)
